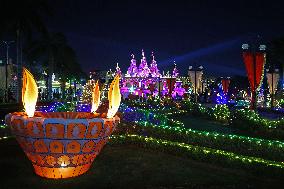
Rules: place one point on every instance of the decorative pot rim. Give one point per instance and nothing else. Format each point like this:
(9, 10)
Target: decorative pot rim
(62, 116)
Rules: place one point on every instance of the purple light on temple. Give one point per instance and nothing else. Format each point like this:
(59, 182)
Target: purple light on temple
(143, 70)
(145, 81)
(154, 67)
(118, 71)
(175, 71)
(132, 70)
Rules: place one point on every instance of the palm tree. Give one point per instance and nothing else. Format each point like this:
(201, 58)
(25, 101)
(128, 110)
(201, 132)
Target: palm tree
(60, 57)
(68, 68)
(20, 19)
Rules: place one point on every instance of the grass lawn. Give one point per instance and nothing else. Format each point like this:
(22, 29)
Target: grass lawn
(129, 167)
(203, 124)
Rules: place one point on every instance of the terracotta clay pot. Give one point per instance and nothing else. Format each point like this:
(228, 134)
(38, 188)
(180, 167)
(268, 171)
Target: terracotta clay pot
(61, 144)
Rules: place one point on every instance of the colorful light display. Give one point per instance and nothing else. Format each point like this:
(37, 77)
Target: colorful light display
(173, 130)
(221, 96)
(207, 146)
(87, 92)
(147, 81)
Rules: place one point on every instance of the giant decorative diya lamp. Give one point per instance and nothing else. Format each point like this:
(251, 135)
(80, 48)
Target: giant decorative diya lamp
(63, 144)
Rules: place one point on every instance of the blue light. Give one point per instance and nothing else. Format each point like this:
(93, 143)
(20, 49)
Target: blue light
(221, 97)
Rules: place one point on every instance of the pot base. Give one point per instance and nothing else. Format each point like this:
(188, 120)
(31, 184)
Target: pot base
(62, 172)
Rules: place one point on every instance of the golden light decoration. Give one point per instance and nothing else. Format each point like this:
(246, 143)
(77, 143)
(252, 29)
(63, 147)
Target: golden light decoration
(95, 97)
(114, 97)
(29, 93)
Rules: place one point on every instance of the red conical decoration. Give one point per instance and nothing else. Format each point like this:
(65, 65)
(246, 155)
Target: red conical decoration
(260, 61)
(225, 85)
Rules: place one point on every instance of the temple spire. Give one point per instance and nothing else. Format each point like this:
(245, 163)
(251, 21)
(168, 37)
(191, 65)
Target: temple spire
(118, 71)
(132, 69)
(153, 57)
(175, 71)
(154, 67)
(143, 70)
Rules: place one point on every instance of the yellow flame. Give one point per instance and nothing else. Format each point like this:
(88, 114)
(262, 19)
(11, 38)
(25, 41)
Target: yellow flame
(114, 97)
(95, 97)
(29, 92)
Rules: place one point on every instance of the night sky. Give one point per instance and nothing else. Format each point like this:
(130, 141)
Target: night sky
(208, 33)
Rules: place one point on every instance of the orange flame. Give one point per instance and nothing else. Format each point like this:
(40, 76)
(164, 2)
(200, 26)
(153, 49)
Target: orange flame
(29, 92)
(114, 97)
(95, 98)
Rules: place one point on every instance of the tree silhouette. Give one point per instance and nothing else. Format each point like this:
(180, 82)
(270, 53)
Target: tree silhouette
(54, 52)
(20, 20)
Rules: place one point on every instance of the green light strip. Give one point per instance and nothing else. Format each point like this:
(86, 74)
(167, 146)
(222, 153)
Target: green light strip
(281, 144)
(215, 134)
(190, 149)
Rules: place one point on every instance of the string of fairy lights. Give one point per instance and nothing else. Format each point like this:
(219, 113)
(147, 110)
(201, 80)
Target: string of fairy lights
(126, 108)
(254, 117)
(245, 145)
(163, 131)
(195, 151)
(270, 148)
(176, 125)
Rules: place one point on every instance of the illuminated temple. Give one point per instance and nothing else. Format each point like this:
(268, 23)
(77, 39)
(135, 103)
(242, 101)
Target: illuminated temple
(145, 80)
